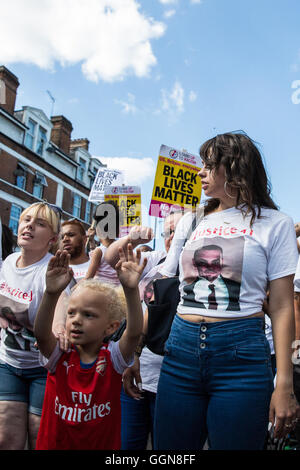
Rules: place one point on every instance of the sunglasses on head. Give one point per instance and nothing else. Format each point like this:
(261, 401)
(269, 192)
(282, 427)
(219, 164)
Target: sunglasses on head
(53, 207)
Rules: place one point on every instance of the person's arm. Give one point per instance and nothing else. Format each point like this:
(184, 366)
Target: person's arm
(58, 276)
(59, 321)
(297, 231)
(132, 380)
(297, 317)
(137, 236)
(90, 242)
(94, 263)
(170, 265)
(283, 406)
(129, 271)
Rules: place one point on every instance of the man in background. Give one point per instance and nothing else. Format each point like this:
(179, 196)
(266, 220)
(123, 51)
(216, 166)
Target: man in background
(73, 240)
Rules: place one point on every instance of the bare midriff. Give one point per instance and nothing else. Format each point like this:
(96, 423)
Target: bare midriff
(201, 319)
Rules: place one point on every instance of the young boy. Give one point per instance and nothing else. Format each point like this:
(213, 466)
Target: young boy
(82, 400)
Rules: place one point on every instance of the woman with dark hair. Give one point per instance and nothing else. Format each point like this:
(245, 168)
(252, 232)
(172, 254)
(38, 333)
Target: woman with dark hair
(216, 380)
(8, 243)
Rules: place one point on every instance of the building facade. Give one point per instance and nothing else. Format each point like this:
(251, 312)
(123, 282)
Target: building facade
(39, 160)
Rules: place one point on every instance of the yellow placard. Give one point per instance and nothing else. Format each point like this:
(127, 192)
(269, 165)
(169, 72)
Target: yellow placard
(176, 183)
(129, 205)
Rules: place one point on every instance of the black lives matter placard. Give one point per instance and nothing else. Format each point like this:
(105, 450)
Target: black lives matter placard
(177, 183)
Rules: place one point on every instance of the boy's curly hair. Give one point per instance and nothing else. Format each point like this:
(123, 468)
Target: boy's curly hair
(116, 302)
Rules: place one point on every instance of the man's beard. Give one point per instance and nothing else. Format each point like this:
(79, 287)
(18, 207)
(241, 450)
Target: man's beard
(76, 251)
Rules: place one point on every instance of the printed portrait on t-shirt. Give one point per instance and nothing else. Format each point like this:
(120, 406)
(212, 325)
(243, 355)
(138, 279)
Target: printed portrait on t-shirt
(146, 287)
(212, 270)
(14, 319)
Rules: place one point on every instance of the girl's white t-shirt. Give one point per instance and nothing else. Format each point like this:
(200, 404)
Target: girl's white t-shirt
(105, 271)
(297, 277)
(226, 264)
(21, 291)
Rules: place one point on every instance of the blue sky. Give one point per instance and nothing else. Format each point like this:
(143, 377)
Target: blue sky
(132, 75)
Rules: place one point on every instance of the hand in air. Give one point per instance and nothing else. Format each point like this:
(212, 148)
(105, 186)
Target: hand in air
(140, 235)
(58, 274)
(129, 268)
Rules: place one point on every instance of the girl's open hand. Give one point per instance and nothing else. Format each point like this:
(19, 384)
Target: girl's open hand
(58, 274)
(129, 268)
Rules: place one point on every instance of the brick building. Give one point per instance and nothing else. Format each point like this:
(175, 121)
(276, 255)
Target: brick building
(39, 160)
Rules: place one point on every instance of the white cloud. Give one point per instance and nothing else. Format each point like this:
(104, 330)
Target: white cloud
(174, 2)
(173, 101)
(129, 105)
(169, 13)
(192, 96)
(136, 170)
(109, 38)
(168, 2)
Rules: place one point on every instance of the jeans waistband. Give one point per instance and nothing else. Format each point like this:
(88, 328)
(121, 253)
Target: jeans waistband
(215, 335)
(240, 323)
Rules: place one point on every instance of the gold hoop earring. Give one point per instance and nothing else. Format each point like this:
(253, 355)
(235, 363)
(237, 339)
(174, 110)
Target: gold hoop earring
(225, 191)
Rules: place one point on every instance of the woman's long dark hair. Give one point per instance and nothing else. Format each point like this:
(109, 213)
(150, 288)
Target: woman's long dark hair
(8, 243)
(244, 171)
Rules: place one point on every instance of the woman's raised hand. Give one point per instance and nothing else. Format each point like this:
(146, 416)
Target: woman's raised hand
(58, 274)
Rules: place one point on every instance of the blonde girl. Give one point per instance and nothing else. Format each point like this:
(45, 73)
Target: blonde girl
(22, 284)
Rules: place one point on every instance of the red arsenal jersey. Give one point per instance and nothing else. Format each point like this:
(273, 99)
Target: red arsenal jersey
(81, 407)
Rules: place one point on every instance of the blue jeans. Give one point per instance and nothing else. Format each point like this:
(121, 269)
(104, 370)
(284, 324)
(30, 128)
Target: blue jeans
(24, 385)
(137, 420)
(216, 382)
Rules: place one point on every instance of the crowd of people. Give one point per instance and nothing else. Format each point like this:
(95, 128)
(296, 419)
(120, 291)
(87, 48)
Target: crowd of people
(75, 370)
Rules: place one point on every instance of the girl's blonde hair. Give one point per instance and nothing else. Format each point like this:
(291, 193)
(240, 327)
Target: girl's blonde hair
(116, 302)
(49, 214)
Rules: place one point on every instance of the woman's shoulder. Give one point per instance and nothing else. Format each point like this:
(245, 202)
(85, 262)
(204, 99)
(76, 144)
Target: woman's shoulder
(9, 263)
(12, 257)
(274, 215)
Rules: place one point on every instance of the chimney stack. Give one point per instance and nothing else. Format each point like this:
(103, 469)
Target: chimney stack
(8, 89)
(79, 143)
(61, 133)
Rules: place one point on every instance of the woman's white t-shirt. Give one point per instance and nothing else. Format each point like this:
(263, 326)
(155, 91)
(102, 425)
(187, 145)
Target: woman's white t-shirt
(226, 264)
(80, 270)
(21, 291)
(297, 277)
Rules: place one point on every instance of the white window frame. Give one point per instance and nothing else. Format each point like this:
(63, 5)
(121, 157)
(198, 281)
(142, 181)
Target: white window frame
(81, 169)
(88, 210)
(41, 140)
(76, 211)
(32, 136)
(14, 221)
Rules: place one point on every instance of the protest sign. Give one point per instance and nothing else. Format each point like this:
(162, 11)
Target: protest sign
(128, 199)
(105, 177)
(176, 182)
